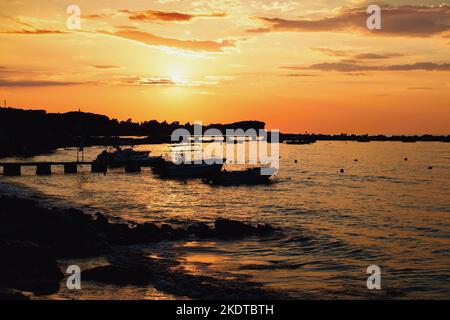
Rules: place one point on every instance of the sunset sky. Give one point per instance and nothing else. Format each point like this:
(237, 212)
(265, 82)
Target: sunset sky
(297, 65)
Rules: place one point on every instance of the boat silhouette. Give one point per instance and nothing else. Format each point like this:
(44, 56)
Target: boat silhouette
(121, 157)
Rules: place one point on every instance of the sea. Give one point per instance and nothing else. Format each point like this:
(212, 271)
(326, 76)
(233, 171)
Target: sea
(342, 207)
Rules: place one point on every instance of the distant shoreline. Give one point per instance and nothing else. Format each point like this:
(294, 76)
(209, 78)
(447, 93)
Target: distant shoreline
(33, 132)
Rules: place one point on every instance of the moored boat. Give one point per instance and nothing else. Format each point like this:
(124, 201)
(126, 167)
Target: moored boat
(121, 157)
(169, 169)
(250, 176)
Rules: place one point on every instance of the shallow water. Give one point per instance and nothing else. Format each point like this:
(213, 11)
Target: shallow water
(382, 210)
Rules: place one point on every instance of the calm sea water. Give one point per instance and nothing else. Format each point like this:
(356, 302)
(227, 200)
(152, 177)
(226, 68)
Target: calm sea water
(383, 210)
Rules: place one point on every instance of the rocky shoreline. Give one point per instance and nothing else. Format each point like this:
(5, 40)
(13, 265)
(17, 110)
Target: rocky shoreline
(34, 237)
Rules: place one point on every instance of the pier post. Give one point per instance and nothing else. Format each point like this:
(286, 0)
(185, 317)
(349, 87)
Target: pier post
(43, 169)
(12, 170)
(99, 167)
(70, 168)
(132, 168)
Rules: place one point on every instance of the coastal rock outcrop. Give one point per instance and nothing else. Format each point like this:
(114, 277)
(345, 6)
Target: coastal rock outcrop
(226, 228)
(27, 266)
(32, 237)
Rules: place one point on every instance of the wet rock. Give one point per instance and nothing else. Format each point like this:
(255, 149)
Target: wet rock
(27, 266)
(166, 228)
(147, 232)
(232, 229)
(174, 233)
(119, 233)
(168, 276)
(265, 229)
(201, 230)
(9, 294)
(65, 232)
(101, 219)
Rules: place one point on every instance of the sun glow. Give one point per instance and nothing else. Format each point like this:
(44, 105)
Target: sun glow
(178, 79)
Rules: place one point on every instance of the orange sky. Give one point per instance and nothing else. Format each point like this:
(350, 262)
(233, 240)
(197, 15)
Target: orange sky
(297, 65)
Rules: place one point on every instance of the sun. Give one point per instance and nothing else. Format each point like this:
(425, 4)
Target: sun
(177, 78)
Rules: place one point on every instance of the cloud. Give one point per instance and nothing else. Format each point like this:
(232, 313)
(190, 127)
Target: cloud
(420, 88)
(377, 56)
(331, 52)
(135, 80)
(408, 20)
(98, 15)
(155, 15)
(300, 75)
(190, 45)
(353, 58)
(354, 67)
(34, 32)
(38, 83)
(104, 66)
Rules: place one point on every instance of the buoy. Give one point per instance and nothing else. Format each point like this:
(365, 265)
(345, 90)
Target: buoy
(342, 170)
(356, 160)
(429, 168)
(406, 159)
(295, 161)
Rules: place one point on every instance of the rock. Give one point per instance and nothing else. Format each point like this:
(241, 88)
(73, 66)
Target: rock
(201, 230)
(232, 229)
(9, 294)
(119, 233)
(27, 266)
(147, 232)
(264, 229)
(130, 275)
(174, 233)
(101, 220)
(166, 228)
(65, 232)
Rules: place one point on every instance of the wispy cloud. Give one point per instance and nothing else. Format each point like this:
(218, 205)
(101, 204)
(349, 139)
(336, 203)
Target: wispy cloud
(413, 21)
(104, 66)
(357, 67)
(34, 32)
(421, 88)
(36, 83)
(155, 15)
(377, 56)
(189, 45)
(300, 75)
(331, 52)
(145, 81)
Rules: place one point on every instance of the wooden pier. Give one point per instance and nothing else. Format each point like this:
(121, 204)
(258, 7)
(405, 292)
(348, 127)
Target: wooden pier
(45, 168)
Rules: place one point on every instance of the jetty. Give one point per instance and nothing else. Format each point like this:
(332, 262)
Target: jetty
(45, 168)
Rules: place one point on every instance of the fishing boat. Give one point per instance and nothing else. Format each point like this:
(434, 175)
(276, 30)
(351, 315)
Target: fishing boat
(196, 169)
(250, 176)
(121, 157)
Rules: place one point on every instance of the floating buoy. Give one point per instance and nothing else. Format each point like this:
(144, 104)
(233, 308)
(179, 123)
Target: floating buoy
(430, 167)
(356, 160)
(342, 170)
(406, 159)
(295, 161)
